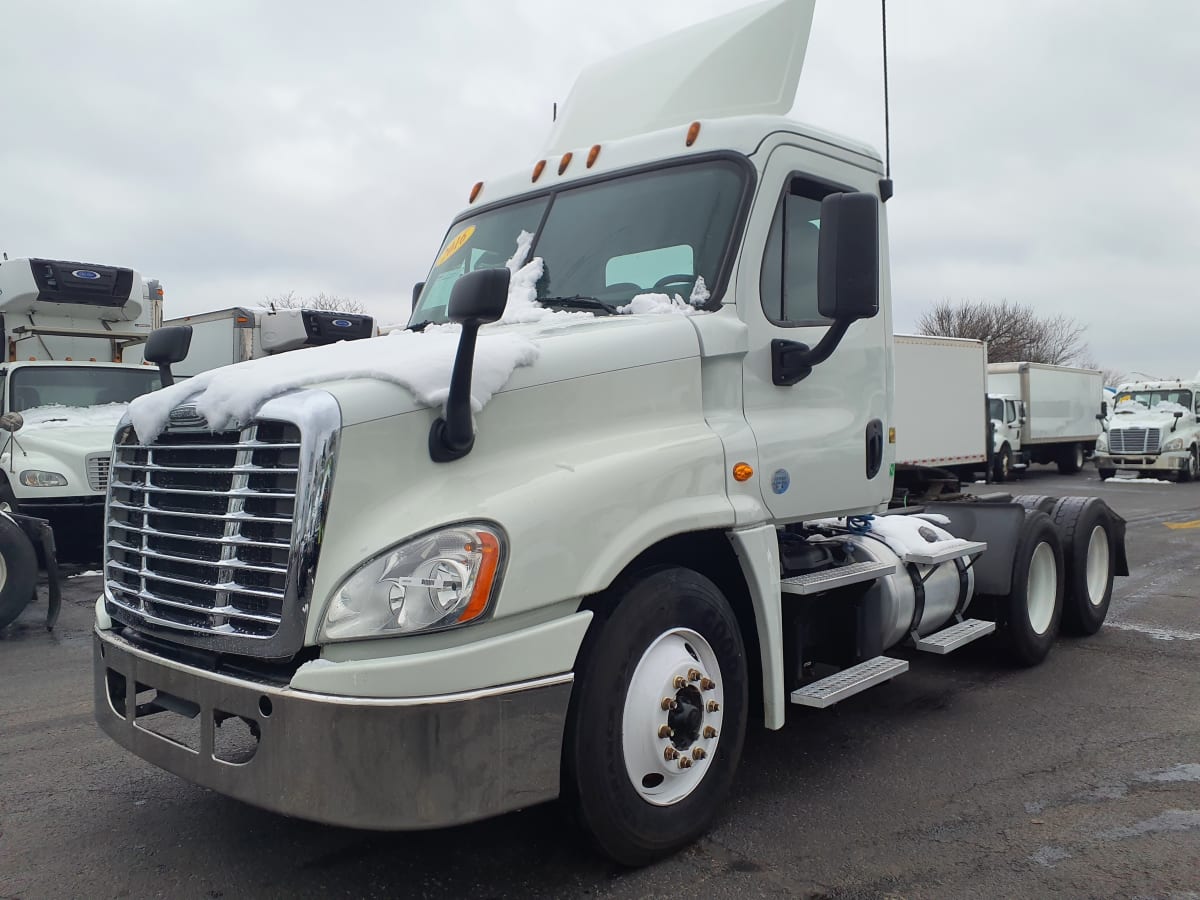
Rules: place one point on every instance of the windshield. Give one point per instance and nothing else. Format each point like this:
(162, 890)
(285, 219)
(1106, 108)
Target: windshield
(657, 231)
(996, 409)
(78, 386)
(1151, 399)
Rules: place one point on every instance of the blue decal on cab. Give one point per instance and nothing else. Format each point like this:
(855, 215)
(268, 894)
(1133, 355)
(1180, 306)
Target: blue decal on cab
(780, 481)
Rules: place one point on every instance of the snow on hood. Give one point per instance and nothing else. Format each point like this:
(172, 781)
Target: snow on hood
(106, 415)
(1163, 406)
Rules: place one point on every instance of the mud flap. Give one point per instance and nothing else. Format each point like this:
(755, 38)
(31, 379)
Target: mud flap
(40, 534)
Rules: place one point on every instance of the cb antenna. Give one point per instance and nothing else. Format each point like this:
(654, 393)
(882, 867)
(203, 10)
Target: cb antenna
(886, 188)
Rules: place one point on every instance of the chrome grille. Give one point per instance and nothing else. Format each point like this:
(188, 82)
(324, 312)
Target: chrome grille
(199, 529)
(1133, 440)
(97, 472)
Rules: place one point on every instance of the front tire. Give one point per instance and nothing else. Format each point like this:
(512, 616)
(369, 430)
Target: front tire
(1002, 465)
(18, 571)
(1034, 605)
(1193, 467)
(1105, 474)
(671, 639)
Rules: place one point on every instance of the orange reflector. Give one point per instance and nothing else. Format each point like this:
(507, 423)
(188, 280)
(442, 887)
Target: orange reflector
(475, 191)
(485, 579)
(68, 359)
(693, 133)
(592, 154)
(891, 435)
(242, 320)
(92, 359)
(537, 170)
(742, 472)
(564, 162)
(33, 359)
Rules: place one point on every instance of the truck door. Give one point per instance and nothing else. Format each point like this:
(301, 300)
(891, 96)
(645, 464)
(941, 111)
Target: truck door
(822, 442)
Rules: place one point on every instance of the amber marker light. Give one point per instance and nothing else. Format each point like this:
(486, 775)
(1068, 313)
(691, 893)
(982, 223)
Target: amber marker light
(693, 133)
(490, 548)
(537, 170)
(564, 162)
(592, 154)
(892, 435)
(742, 472)
(475, 191)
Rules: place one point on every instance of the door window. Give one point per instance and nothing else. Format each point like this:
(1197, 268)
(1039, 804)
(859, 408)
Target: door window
(1010, 411)
(788, 281)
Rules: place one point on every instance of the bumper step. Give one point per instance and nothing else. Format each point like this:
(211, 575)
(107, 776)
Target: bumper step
(970, 548)
(950, 639)
(848, 682)
(816, 582)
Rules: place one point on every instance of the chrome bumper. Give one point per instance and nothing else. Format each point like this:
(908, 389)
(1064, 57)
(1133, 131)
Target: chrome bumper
(1167, 461)
(388, 764)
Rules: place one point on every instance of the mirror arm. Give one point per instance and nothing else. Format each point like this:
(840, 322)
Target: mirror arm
(164, 371)
(452, 437)
(792, 361)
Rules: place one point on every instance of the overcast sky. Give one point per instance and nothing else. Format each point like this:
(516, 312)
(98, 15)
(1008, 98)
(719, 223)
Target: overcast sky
(1044, 152)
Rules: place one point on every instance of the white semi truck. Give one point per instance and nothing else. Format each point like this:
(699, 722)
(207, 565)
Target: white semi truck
(471, 567)
(1043, 414)
(227, 336)
(1153, 429)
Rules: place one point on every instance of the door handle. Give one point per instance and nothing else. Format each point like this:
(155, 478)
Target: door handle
(874, 437)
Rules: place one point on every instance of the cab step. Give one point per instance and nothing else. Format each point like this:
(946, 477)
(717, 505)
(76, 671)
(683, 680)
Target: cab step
(817, 582)
(848, 682)
(970, 548)
(948, 639)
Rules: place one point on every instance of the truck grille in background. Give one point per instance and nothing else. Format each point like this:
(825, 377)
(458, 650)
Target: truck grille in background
(97, 472)
(200, 528)
(1133, 440)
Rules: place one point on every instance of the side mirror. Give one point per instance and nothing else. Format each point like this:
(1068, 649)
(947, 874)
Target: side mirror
(475, 300)
(847, 282)
(848, 257)
(417, 288)
(1103, 410)
(167, 346)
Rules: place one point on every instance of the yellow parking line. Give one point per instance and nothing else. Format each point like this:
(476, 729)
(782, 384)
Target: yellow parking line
(1195, 523)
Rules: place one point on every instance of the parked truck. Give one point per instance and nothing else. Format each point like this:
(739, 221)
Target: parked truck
(227, 336)
(1043, 414)
(1154, 429)
(621, 488)
(941, 409)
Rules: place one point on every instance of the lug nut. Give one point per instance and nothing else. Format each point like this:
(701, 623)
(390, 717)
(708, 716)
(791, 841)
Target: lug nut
(707, 684)
(668, 703)
(679, 682)
(710, 732)
(665, 731)
(698, 753)
(685, 763)
(670, 753)
(713, 706)
(693, 674)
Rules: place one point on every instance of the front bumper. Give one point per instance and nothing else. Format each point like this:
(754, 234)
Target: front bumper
(1170, 461)
(361, 762)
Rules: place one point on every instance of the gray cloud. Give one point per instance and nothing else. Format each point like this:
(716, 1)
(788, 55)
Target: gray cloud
(1042, 151)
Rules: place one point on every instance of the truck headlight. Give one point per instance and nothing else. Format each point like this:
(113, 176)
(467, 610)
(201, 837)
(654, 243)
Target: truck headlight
(1175, 443)
(1102, 442)
(40, 478)
(436, 581)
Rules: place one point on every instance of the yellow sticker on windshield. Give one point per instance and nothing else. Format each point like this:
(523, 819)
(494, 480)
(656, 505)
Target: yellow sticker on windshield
(456, 243)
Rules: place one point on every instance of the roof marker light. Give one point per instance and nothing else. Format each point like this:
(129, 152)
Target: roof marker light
(475, 191)
(693, 133)
(537, 170)
(564, 162)
(592, 154)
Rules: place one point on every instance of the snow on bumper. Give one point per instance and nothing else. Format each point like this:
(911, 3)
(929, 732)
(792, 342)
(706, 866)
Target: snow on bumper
(395, 764)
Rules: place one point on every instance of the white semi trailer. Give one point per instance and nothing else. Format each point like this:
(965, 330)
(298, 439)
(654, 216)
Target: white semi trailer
(1043, 414)
(227, 336)
(433, 576)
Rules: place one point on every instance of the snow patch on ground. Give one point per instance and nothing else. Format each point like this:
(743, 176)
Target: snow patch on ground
(88, 574)
(106, 415)
(1119, 480)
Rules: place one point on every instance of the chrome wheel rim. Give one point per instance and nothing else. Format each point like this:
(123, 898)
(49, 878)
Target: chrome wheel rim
(1041, 588)
(1097, 565)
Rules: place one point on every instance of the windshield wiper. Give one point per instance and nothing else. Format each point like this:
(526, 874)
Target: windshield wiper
(418, 326)
(578, 302)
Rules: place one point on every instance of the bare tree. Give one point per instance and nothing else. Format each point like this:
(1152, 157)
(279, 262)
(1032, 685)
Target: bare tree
(321, 301)
(1014, 332)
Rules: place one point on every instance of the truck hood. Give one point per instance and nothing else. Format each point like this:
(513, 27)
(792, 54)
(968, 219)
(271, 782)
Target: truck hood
(1149, 420)
(67, 443)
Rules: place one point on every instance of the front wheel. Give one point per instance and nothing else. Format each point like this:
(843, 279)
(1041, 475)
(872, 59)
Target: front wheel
(1002, 465)
(657, 718)
(1193, 466)
(18, 571)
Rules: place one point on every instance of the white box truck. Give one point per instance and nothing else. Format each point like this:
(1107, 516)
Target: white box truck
(941, 410)
(227, 336)
(1043, 414)
(1153, 429)
(621, 488)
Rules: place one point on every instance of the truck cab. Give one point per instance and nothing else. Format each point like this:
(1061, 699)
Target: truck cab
(1152, 430)
(64, 386)
(1007, 415)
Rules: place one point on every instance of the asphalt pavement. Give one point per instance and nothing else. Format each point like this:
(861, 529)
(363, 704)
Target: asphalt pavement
(963, 778)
